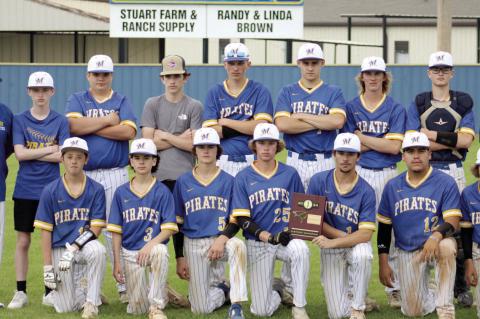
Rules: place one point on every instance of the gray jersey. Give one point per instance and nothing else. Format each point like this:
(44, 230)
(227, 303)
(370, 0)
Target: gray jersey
(174, 118)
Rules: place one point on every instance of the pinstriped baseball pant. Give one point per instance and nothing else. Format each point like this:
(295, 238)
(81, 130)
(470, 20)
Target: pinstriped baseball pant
(476, 262)
(306, 169)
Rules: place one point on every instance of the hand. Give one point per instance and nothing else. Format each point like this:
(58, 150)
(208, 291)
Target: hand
(323, 242)
(49, 278)
(471, 276)
(432, 135)
(54, 148)
(430, 248)
(118, 273)
(67, 257)
(386, 274)
(264, 236)
(143, 256)
(282, 237)
(112, 119)
(358, 133)
(182, 269)
(223, 122)
(217, 249)
(160, 135)
(187, 134)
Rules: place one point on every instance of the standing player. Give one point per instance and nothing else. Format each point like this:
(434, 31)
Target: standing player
(345, 241)
(422, 205)
(37, 132)
(447, 118)
(141, 221)
(233, 108)
(262, 197)
(379, 122)
(310, 112)
(470, 224)
(6, 119)
(202, 203)
(71, 215)
(104, 118)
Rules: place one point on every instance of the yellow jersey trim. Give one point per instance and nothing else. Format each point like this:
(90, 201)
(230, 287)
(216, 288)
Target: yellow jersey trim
(43, 225)
(430, 170)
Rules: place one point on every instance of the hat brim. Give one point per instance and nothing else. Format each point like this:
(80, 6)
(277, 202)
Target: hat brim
(310, 58)
(415, 146)
(374, 69)
(100, 71)
(142, 153)
(163, 73)
(347, 149)
(440, 66)
(211, 143)
(40, 86)
(69, 148)
(235, 59)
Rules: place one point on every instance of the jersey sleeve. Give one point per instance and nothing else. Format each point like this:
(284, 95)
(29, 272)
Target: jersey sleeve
(196, 119)
(179, 203)
(98, 211)
(8, 147)
(64, 131)
(467, 124)
(115, 219)
(44, 218)
(74, 109)
(148, 114)
(283, 106)
(263, 105)
(127, 117)
(450, 200)
(366, 218)
(349, 126)
(314, 186)
(337, 105)
(240, 203)
(297, 183)
(397, 123)
(413, 119)
(17, 131)
(385, 209)
(211, 113)
(167, 209)
(466, 221)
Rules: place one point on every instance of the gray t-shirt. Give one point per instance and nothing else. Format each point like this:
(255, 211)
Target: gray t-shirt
(175, 118)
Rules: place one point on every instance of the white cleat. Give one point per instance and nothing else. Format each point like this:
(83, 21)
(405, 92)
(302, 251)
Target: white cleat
(299, 313)
(90, 311)
(19, 300)
(47, 300)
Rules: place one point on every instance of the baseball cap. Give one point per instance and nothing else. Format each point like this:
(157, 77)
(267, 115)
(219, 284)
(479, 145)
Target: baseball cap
(173, 64)
(310, 51)
(40, 79)
(100, 63)
(236, 52)
(440, 58)
(347, 142)
(74, 143)
(206, 136)
(144, 146)
(266, 131)
(415, 139)
(373, 63)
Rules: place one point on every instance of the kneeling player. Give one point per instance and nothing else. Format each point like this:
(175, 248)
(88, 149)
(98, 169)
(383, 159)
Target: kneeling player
(423, 207)
(346, 249)
(202, 201)
(74, 265)
(141, 220)
(262, 198)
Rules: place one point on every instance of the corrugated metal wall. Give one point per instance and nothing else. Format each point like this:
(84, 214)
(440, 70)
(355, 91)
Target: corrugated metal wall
(140, 82)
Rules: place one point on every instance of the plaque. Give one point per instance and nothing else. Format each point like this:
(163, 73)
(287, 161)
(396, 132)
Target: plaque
(306, 216)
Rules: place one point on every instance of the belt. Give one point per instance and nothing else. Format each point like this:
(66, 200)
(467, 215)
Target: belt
(446, 165)
(309, 156)
(379, 169)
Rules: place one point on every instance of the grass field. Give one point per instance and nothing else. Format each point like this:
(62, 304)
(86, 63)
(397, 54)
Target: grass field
(316, 302)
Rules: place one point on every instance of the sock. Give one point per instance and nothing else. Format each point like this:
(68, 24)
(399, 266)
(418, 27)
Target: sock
(22, 286)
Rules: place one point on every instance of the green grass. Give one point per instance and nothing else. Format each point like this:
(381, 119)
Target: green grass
(316, 302)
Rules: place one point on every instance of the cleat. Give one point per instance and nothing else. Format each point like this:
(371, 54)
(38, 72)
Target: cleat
(357, 314)
(226, 291)
(156, 313)
(299, 313)
(465, 299)
(90, 311)
(279, 286)
(123, 296)
(235, 312)
(394, 299)
(47, 300)
(19, 300)
(177, 299)
(371, 304)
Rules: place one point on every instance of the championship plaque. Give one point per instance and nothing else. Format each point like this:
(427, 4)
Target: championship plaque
(306, 216)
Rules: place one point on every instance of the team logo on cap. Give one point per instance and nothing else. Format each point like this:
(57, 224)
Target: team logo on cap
(100, 63)
(73, 142)
(373, 62)
(141, 146)
(347, 140)
(39, 80)
(205, 136)
(440, 57)
(415, 139)
(266, 131)
(172, 64)
(310, 50)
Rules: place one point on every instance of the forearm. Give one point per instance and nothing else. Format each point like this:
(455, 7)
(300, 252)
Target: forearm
(52, 158)
(117, 132)
(117, 246)
(96, 230)
(353, 239)
(87, 125)
(293, 126)
(244, 127)
(463, 140)
(24, 154)
(181, 142)
(381, 144)
(327, 122)
(331, 232)
(164, 235)
(47, 247)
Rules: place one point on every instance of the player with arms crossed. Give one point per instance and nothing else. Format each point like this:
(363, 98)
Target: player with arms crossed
(71, 215)
(141, 221)
(37, 132)
(309, 112)
(104, 118)
(422, 205)
(233, 108)
(345, 241)
(202, 201)
(262, 199)
(379, 123)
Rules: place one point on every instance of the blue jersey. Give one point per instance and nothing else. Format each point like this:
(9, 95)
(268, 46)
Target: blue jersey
(470, 206)
(6, 145)
(107, 153)
(267, 200)
(386, 120)
(33, 175)
(321, 100)
(203, 207)
(347, 211)
(65, 214)
(415, 210)
(253, 102)
(141, 217)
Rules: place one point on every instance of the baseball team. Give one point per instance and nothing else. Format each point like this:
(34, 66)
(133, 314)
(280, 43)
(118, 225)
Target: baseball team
(202, 173)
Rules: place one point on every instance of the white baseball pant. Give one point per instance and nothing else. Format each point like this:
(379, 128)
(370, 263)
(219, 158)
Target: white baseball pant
(83, 281)
(261, 265)
(417, 299)
(476, 263)
(205, 297)
(146, 290)
(110, 179)
(457, 173)
(232, 167)
(340, 264)
(307, 168)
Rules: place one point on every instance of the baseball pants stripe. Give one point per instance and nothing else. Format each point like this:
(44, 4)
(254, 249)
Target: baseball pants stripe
(306, 169)
(458, 174)
(231, 167)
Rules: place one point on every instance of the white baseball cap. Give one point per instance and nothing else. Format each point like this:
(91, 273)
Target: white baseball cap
(74, 143)
(311, 51)
(440, 58)
(100, 63)
(415, 139)
(266, 131)
(373, 63)
(40, 79)
(347, 142)
(144, 146)
(206, 136)
(236, 52)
